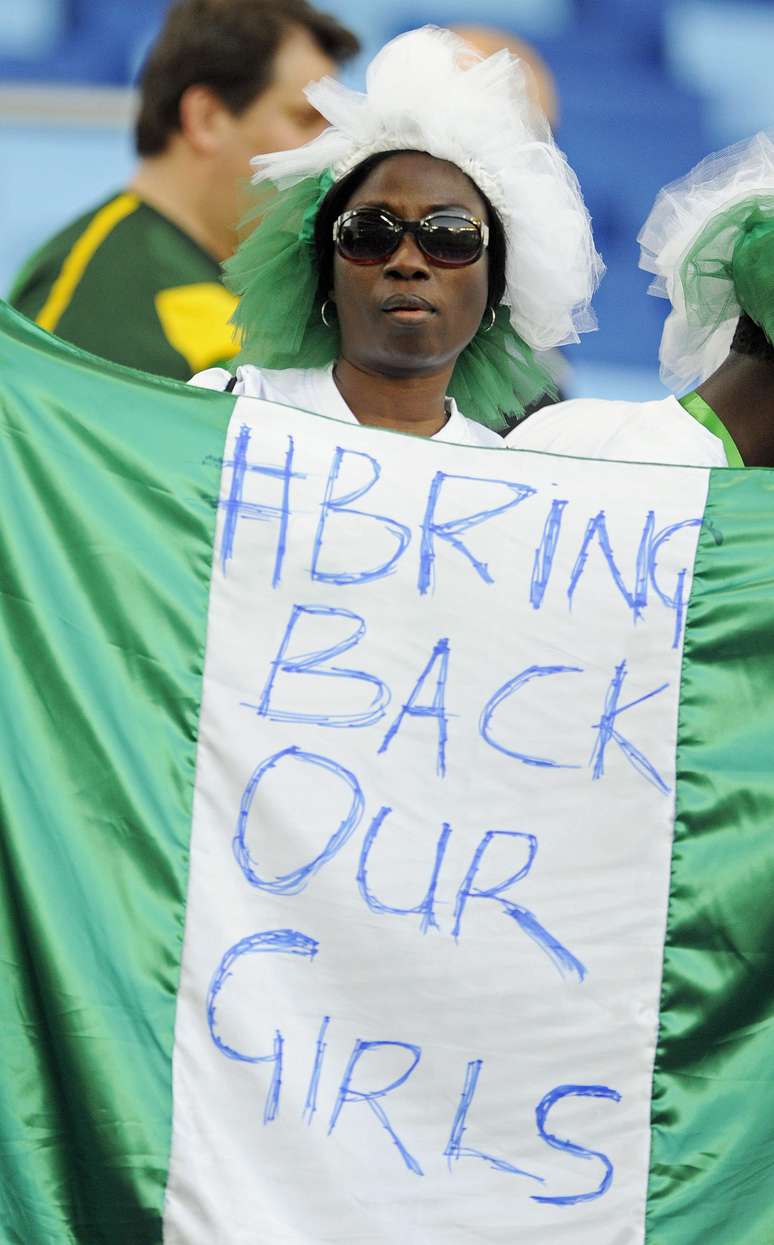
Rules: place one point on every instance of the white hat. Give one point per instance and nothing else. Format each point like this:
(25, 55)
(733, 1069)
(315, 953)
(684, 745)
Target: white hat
(428, 91)
(688, 242)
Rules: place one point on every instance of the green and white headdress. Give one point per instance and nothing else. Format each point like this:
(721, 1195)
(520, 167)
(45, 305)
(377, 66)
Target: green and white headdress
(428, 91)
(709, 240)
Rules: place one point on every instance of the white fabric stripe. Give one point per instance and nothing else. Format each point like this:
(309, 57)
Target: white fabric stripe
(497, 1018)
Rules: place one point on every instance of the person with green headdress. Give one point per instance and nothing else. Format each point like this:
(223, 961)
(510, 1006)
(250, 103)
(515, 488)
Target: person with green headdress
(709, 240)
(408, 261)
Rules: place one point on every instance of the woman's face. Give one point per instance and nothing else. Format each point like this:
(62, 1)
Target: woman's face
(377, 335)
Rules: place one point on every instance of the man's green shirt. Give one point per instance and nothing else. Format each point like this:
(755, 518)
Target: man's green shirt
(126, 283)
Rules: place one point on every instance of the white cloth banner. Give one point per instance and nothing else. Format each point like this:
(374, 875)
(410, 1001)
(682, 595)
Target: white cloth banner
(431, 842)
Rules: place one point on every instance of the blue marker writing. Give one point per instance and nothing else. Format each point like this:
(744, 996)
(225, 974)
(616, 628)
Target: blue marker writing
(677, 601)
(637, 597)
(309, 664)
(452, 529)
(504, 693)
(425, 909)
(295, 881)
(371, 1097)
(455, 1149)
(310, 1106)
(607, 730)
(237, 508)
(343, 506)
(563, 959)
(569, 1147)
(544, 554)
(286, 942)
(436, 709)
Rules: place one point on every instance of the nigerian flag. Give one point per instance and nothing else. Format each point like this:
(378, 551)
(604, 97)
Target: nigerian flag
(387, 831)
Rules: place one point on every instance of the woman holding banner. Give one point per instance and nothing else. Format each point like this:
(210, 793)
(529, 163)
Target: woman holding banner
(411, 257)
(409, 260)
(400, 266)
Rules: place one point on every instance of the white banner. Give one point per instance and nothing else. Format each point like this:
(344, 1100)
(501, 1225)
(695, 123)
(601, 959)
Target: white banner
(431, 842)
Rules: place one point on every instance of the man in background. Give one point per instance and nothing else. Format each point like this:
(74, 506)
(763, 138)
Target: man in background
(137, 278)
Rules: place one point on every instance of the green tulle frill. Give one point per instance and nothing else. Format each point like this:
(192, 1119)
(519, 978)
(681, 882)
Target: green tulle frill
(730, 266)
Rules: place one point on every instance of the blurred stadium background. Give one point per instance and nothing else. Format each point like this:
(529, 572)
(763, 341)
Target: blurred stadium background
(646, 88)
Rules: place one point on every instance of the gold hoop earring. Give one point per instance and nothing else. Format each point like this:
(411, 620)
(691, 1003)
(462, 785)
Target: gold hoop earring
(490, 325)
(328, 303)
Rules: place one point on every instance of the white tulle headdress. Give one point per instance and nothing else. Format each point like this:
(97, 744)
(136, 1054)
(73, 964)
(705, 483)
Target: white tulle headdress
(709, 240)
(428, 91)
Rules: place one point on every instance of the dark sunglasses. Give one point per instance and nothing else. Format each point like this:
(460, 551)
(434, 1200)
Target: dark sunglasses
(449, 239)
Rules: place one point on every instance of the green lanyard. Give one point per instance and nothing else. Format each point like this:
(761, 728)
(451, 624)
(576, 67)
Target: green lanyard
(704, 415)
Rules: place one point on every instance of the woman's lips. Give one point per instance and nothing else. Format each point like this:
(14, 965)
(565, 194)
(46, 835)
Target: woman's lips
(408, 308)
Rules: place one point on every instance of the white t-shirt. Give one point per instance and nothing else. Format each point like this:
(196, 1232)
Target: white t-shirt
(314, 389)
(644, 432)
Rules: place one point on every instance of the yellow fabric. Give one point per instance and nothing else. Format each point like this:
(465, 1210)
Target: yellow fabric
(74, 266)
(195, 320)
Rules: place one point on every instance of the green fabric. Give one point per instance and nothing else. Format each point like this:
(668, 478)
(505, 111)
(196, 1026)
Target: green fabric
(753, 269)
(106, 528)
(730, 266)
(112, 311)
(712, 1160)
(496, 376)
(703, 413)
(284, 330)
